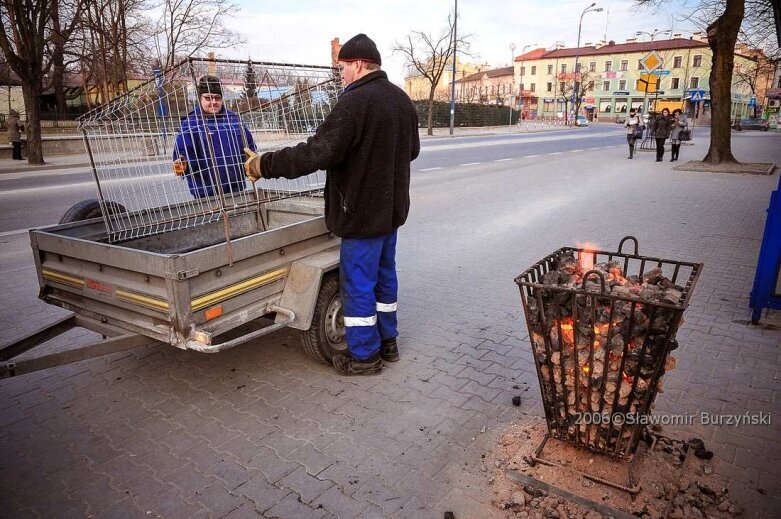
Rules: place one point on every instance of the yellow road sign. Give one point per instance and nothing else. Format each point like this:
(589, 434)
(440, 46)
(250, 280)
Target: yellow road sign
(651, 61)
(649, 83)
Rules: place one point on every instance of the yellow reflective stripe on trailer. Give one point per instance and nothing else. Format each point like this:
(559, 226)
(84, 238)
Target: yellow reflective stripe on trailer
(223, 294)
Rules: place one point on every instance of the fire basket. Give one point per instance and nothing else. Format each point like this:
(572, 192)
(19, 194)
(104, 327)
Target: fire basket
(602, 325)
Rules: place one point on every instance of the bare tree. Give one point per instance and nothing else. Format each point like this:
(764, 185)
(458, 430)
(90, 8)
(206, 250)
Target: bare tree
(754, 75)
(190, 26)
(428, 55)
(25, 36)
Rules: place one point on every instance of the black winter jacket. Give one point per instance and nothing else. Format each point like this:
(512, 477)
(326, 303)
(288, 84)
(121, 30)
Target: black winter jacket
(663, 127)
(365, 145)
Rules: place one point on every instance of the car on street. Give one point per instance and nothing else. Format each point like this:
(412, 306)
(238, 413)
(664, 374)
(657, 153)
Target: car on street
(581, 120)
(751, 124)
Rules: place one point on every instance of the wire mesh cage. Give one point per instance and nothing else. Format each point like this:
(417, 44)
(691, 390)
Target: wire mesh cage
(164, 159)
(602, 325)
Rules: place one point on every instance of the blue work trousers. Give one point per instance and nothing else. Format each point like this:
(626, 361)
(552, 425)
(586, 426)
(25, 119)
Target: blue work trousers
(369, 289)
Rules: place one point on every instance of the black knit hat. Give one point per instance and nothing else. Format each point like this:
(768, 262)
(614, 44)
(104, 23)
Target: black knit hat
(360, 47)
(209, 85)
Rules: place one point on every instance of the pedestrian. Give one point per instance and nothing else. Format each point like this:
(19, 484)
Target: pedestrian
(662, 126)
(634, 130)
(365, 144)
(211, 138)
(680, 123)
(15, 130)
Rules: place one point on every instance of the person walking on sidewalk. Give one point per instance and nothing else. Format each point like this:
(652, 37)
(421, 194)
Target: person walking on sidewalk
(15, 130)
(634, 131)
(680, 123)
(365, 144)
(663, 127)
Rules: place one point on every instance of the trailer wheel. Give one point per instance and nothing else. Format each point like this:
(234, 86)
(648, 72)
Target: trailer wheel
(325, 337)
(89, 208)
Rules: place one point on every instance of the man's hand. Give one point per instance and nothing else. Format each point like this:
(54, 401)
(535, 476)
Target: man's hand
(252, 165)
(180, 167)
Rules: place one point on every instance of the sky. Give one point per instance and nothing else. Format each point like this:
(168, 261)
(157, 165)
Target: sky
(300, 31)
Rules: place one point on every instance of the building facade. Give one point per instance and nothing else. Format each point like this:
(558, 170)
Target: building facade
(418, 87)
(614, 79)
(494, 86)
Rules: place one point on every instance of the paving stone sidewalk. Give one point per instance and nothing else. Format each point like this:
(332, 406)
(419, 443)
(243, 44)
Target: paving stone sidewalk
(261, 430)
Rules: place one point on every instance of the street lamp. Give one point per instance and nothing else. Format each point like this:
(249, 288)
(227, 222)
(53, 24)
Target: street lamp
(589, 9)
(654, 34)
(520, 86)
(512, 84)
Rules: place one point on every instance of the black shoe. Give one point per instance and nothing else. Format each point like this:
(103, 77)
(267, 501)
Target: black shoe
(347, 365)
(672, 160)
(389, 350)
(658, 160)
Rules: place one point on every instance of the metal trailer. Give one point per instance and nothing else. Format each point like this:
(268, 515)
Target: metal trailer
(149, 263)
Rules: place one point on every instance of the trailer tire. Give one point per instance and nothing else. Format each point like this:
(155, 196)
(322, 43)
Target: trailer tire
(88, 209)
(325, 337)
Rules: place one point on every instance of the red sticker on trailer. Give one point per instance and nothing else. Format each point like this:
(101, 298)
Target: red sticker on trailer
(98, 286)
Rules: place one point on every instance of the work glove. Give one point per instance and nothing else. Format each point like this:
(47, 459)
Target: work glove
(252, 165)
(180, 167)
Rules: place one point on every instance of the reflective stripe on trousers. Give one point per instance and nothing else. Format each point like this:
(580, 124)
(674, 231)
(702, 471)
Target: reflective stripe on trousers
(369, 287)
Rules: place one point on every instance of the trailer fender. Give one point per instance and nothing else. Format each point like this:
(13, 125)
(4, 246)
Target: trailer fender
(303, 284)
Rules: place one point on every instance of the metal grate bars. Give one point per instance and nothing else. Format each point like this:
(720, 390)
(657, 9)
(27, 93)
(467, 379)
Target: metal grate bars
(134, 140)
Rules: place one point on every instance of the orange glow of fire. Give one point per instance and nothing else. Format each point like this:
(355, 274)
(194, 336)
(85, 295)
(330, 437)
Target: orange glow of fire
(586, 369)
(586, 256)
(567, 330)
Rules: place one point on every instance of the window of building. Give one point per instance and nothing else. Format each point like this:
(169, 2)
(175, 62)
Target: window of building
(624, 64)
(675, 83)
(697, 61)
(561, 87)
(592, 66)
(578, 66)
(590, 86)
(550, 69)
(677, 61)
(563, 68)
(550, 87)
(533, 87)
(608, 66)
(521, 87)
(622, 84)
(534, 70)
(606, 86)
(523, 71)
(640, 64)
(694, 82)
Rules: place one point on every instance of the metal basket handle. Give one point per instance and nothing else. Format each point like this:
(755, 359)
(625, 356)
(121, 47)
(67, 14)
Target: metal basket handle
(625, 238)
(599, 274)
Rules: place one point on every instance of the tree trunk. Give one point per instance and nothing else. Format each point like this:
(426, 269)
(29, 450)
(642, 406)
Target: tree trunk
(722, 36)
(32, 105)
(430, 123)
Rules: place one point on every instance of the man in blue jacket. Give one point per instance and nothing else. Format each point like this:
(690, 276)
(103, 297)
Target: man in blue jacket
(365, 144)
(208, 146)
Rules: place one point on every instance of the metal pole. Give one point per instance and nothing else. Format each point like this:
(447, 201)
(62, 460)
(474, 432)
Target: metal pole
(512, 84)
(453, 82)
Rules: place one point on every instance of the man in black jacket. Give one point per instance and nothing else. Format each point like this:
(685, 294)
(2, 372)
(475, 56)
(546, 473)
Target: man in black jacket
(365, 145)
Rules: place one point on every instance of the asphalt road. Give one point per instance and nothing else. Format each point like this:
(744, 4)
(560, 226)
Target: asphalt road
(31, 199)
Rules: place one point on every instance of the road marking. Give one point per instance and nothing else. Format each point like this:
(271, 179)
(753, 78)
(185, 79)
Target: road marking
(501, 160)
(431, 169)
(469, 164)
(575, 151)
(530, 156)
(556, 153)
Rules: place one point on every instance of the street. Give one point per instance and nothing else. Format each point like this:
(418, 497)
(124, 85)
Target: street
(28, 200)
(262, 428)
